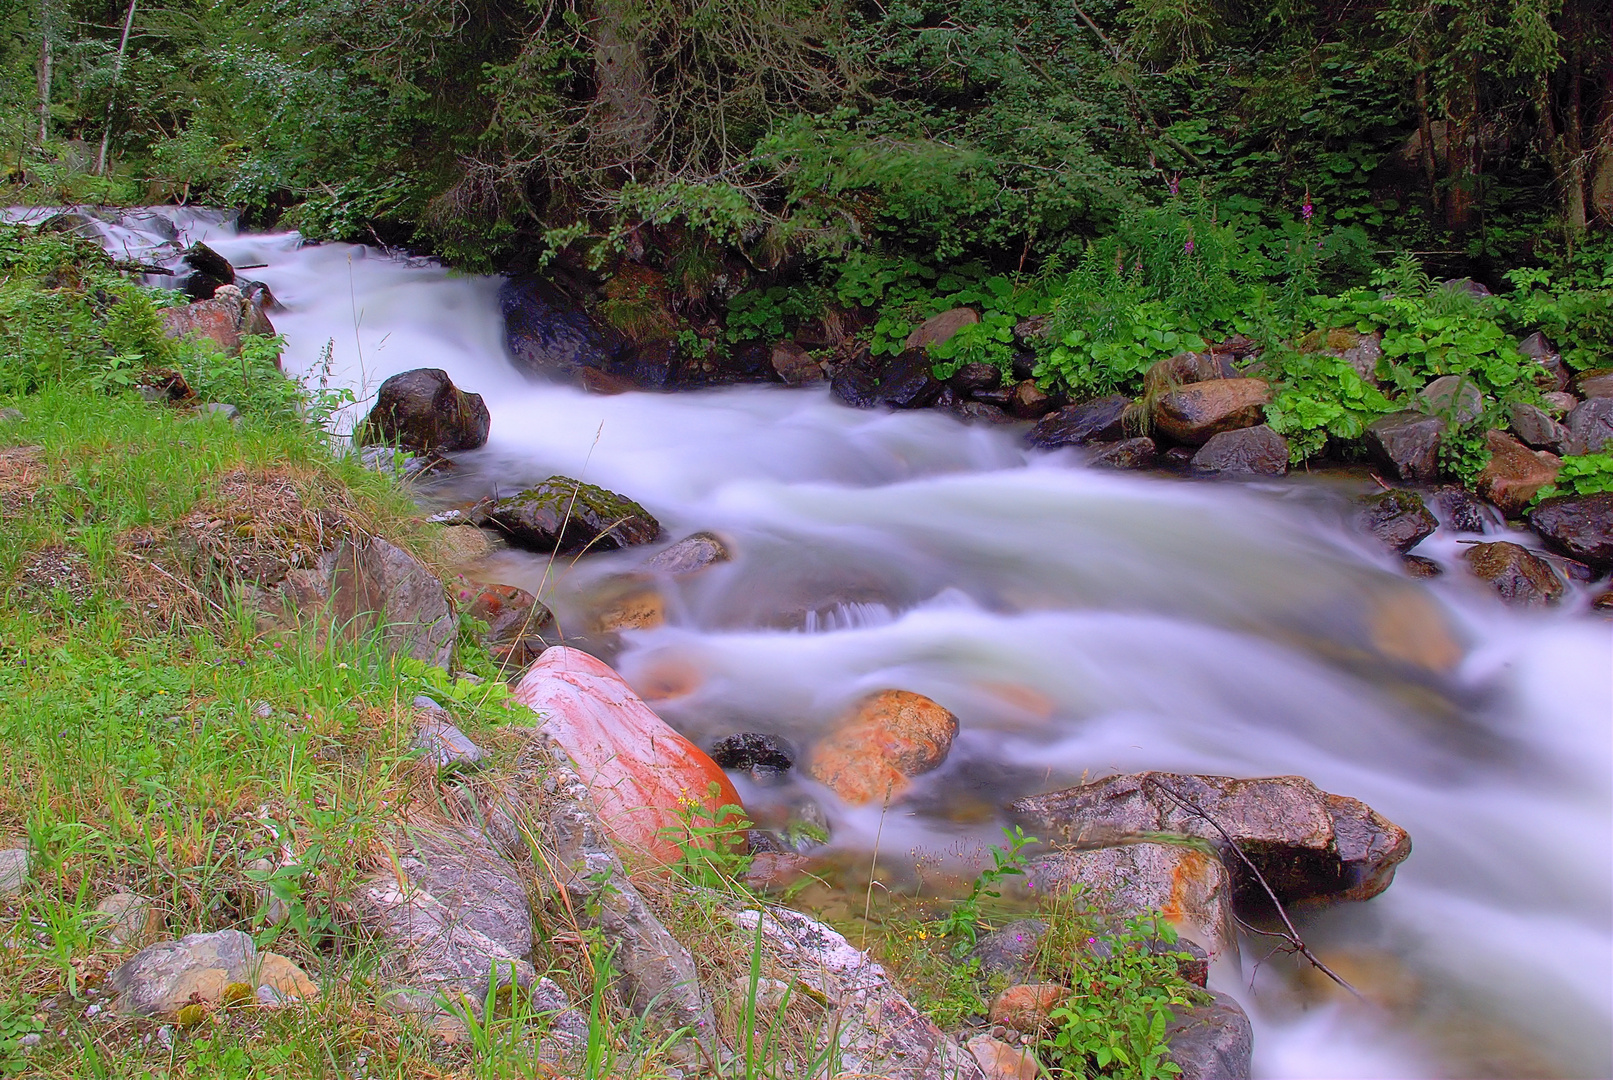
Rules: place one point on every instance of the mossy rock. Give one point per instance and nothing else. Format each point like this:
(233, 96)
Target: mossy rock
(569, 517)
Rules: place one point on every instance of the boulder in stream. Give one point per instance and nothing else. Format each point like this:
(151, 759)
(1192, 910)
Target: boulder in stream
(872, 752)
(1407, 444)
(1214, 1041)
(1192, 414)
(1535, 428)
(690, 555)
(1103, 419)
(1517, 574)
(1249, 451)
(423, 410)
(569, 517)
(1138, 453)
(641, 773)
(765, 757)
(795, 365)
(1306, 842)
(907, 382)
(208, 271)
(1514, 473)
(1397, 518)
(1590, 425)
(1580, 527)
(549, 334)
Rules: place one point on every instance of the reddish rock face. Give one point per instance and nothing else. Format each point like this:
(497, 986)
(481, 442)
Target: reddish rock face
(1514, 473)
(1192, 414)
(1026, 1007)
(875, 750)
(640, 772)
(212, 320)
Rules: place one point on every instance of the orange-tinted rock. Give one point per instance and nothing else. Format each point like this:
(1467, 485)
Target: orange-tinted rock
(1192, 414)
(1025, 1007)
(939, 328)
(210, 320)
(626, 603)
(640, 772)
(1514, 473)
(1000, 1061)
(873, 752)
(1408, 627)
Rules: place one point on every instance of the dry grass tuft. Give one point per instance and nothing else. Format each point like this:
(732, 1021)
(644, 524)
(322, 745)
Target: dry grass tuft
(21, 473)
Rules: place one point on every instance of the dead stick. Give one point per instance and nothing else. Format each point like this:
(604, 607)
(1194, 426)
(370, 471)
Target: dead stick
(1293, 934)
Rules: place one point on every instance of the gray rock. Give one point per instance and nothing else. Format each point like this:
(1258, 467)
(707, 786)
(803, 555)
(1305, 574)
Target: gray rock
(765, 757)
(1590, 425)
(475, 884)
(939, 328)
(1540, 349)
(690, 555)
(878, 1031)
(1517, 574)
(1580, 527)
(1010, 950)
(1306, 842)
(13, 870)
(1139, 453)
(1594, 384)
(219, 409)
(1535, 428)
(1453, 396)
(1407, 444)
(1191, 883)
(551, 335)
(11, 416)
(980, 412)
(1397, 518)
(1559, 403)
(161, 978)
(569, 517)
(376, 586)
(1251, 451)
(977, 376)
(423, 410)
(129, 919)
(443, 743)
(403, 465)
(1211, 1042)
(1476, 289)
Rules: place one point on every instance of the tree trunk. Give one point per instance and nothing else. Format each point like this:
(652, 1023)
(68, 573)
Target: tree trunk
(1462, 172)
(117, 74)
(1425, 126)
(625, 109)
(44, 70)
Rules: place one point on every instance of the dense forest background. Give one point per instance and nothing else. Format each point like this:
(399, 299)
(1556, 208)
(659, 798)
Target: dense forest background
(1477, 132)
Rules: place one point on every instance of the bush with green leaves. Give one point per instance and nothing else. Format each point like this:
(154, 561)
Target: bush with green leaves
(1581, 474)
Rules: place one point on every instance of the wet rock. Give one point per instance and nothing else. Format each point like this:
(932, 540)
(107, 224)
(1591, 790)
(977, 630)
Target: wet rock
(1454, 397)
(1602, 603)
(14, 864)
(208, 320)
(389, 462)
(977, 376)
(624, 602)
(1250, 451)
(209, 271)
(939, 328)
(978, 412)
(1521, 577)
(795, 365)
(1594, 384)
(1514, 473)
(856, 384)
(1590, 425)
(569, 517)
(1461, 510)
(1139, 453)
(1192, 414)
(1397, 518)
(1535, 428)
(1539, 348)
(1559, 404)
(1177, 458)
(1406, 627)
(1189, 886)
(1010, 950)
(476, 886)
(1211, 1042)
(1029, 401)
(907, 382)
(1407, 444)
(635, 765)
(548, 334)
(1025, 1007)
(1306, 842)
(1001, 1061)
(1102, 419)
(1420, 567)
(1580, 527)
(129, 919)
(423, 410)
(690, 555)
(1187, 368)
(510, 614)
(765, 757)
(872, 753)
(878, 1031)
(775, 869)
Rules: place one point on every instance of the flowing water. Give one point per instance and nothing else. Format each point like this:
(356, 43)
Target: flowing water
(1079, 623)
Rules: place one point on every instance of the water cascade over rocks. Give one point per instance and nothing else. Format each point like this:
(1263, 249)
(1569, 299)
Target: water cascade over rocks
(1077, 624)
